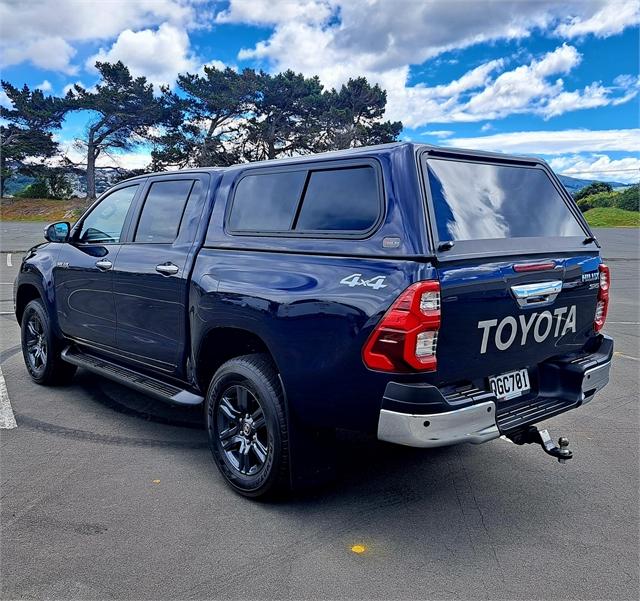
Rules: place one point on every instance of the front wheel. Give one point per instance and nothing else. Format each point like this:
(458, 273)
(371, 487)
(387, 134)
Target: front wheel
(40, 348)
(247, 426)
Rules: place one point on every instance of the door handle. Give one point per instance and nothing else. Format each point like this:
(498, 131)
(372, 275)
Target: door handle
(544, 293)
(167, 269)
(104, 265)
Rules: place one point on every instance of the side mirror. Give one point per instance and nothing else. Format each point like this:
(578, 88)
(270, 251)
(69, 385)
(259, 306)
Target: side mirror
(57, 232)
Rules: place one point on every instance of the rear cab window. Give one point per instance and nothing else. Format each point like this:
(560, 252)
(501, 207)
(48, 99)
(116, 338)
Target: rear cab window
(307, 201)
(480, 205)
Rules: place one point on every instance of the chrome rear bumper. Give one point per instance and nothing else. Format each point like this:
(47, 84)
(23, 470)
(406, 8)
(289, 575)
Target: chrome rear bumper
(472, 424)
(476, 423)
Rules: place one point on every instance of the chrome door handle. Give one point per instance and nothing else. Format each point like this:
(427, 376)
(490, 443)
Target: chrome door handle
(167, 269)
(531, 295)
(104, 265)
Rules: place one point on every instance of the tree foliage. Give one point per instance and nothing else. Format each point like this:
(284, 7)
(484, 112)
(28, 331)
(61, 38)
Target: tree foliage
(355, 116)
(223, 117)
(204, 119)
(593, 188)
(627, 199)
(215, 117)
(27, 137)
(122, 109)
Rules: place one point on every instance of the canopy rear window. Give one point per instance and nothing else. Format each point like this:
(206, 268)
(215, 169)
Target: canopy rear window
(484, 201)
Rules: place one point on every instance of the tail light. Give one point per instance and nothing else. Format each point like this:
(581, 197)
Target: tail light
(406, 338)
(602, 306)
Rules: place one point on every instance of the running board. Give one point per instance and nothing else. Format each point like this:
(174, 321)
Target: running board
(133, 379)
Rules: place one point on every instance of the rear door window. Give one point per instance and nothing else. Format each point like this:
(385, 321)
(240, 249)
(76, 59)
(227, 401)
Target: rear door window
(483, 201)
(162, 211)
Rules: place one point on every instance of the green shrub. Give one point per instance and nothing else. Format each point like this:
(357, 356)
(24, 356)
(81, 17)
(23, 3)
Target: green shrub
(591, 189)
(597, 201)
(37, 189)
(628, 199)
(53, 184)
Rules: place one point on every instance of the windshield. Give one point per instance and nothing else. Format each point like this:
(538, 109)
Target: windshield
(481, 201)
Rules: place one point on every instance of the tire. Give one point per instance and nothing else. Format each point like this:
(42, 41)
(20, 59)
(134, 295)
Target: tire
(247, 426)
(41, 349)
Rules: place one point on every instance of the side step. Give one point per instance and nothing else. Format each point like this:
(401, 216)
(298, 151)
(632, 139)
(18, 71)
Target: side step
(133, 379)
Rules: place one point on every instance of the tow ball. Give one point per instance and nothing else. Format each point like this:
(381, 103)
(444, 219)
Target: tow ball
(532, 435)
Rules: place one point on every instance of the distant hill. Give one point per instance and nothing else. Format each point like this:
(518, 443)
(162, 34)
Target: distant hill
(105, 178)
(573, 184)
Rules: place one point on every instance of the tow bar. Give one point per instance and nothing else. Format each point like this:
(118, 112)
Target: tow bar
(532, 435)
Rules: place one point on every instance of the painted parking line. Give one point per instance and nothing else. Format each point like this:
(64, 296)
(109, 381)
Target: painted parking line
(9, 263)
(619, 354)
(7, 419)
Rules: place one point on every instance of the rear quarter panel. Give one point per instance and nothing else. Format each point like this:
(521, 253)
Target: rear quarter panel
(314, 327)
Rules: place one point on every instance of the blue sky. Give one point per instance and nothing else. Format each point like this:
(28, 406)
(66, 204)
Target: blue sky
(559, 79)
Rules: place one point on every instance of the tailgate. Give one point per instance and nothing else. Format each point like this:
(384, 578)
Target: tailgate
(496, 319)
(517, 264)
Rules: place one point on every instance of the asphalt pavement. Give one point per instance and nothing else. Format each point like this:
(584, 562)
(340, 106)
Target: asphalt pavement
(109, 495)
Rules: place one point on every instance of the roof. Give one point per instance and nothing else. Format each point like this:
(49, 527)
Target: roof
(351, 152)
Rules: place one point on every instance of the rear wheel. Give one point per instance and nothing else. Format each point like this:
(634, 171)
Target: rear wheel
(40, 349)
(247, 426)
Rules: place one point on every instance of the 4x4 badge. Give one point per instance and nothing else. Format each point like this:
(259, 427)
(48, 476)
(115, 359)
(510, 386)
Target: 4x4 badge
(355, 279)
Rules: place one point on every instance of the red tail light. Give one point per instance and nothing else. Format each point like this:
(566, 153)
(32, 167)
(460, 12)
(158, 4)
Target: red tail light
(602, 306)
(407, 336)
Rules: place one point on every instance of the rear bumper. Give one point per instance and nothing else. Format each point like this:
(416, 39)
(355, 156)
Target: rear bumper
(471, 424)
(485, 420)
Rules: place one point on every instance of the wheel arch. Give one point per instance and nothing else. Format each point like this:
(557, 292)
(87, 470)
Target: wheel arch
(24, 295)
(221, 344)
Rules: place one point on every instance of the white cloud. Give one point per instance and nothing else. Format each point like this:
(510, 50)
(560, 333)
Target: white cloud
(554, 142)
(158, 54)
(438, 133)
(268, 12)
(478, 95)
(4, 99)
(45, 86)
(523, 87)
(486, 127)
(375, 39)
(598, 166)
(379, 35)
(81, 21)
(46, 52)
(611, 19)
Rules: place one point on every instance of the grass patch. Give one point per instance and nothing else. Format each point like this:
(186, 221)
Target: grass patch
(612, 217)
(41, 209)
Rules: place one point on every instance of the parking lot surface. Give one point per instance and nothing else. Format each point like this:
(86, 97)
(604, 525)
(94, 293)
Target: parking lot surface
(110, 495)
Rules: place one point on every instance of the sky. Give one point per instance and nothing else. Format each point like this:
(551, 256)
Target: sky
(555, 79)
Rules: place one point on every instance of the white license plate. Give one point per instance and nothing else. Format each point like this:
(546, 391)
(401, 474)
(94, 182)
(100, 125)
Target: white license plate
(510, 385)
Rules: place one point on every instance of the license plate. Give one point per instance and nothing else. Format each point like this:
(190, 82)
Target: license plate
(510, 385)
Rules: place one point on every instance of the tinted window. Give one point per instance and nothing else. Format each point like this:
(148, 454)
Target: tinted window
(162, 211)
(266, 202)
(478, 201)
(104, 224)
(340, 199)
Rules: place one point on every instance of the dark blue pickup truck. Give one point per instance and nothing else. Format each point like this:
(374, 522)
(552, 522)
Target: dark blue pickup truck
(428, 296)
